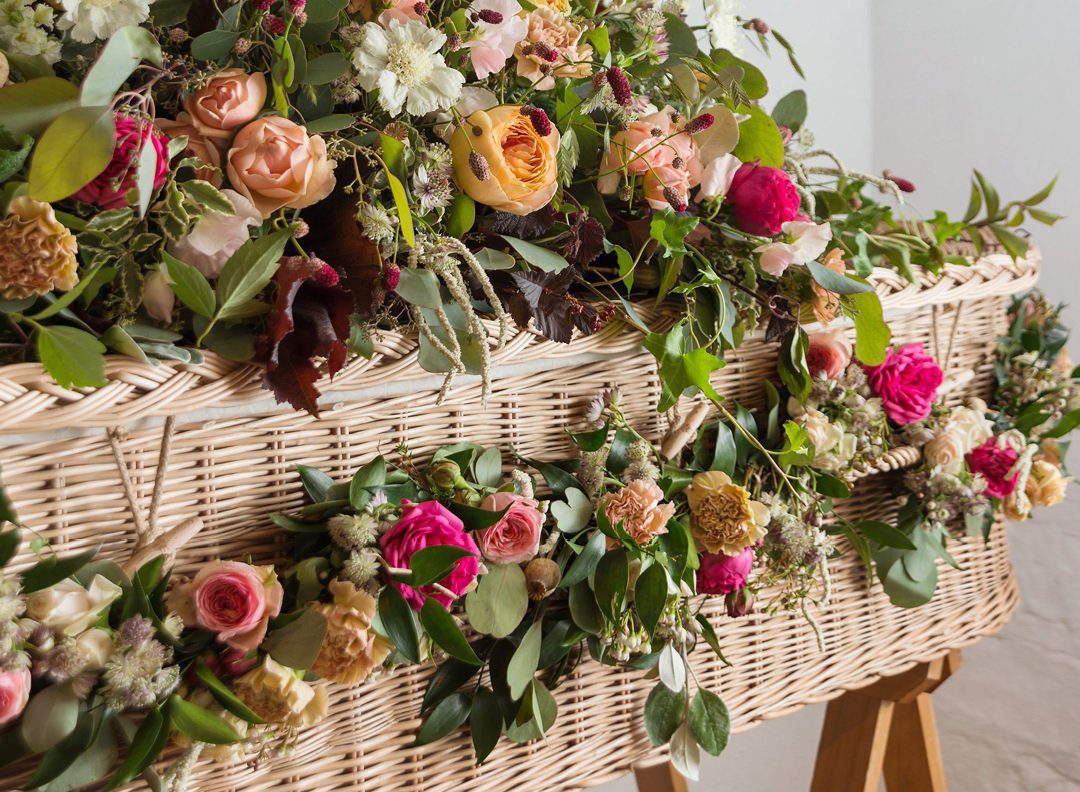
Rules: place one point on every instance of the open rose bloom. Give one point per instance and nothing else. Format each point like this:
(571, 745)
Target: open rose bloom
(235, 601)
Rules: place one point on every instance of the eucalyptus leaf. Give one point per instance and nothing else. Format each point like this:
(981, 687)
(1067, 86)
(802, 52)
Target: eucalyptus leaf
(125, 49)
(76, 147)
(536, 256)
(672, 667)
(420, 287)
(573, 514)
(29, 107)
(664, 711)
(499, 602)
(710, 722)
(448, 714)
(298, 643)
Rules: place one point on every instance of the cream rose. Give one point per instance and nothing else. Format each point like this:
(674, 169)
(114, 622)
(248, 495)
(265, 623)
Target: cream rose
(521, 174)
(274, 163)
(555, 34)
(971, 425)
(70, 609)
(946, 451)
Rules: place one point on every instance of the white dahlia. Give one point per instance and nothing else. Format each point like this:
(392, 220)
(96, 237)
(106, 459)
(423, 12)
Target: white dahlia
(405, 64)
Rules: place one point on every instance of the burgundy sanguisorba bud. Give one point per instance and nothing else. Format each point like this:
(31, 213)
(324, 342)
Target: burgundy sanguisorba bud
(904, 185)
(620, 86)
(490, 16)
(421, 8)
(391, 276)
(540, 121)
(671, 195)
(478, 164)
(739, 603)
(700, 123)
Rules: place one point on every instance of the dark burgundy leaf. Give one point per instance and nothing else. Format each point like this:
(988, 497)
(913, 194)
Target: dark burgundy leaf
(583, 241)
(543, 297)
(309, 320)
(528, 226)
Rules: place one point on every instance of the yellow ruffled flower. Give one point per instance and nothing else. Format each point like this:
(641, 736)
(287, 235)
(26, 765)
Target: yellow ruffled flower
(278, 695)
(351, 649)
(723, 518)
(1045, 485)
(37, 252)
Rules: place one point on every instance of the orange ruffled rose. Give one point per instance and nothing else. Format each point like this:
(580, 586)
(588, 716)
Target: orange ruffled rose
(522, 174)
(639, 509)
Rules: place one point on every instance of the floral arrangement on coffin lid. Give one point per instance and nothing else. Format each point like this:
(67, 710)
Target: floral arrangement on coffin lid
(279, 181)
(457, 563)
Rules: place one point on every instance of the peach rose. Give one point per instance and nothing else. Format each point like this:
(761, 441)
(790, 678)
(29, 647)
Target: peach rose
(828, 354)
(651, 142)
(274, 163)
(825, 303)
(515, 538)
(639, 509)
(521, 172)
(1045, 485)
(198, 145)
(229, 100)
(555, 33)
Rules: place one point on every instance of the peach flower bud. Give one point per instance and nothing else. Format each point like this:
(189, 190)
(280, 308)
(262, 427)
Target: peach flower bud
(198, 145)
(274, 163)
(157, 296)
(522, 173)
(229, 100)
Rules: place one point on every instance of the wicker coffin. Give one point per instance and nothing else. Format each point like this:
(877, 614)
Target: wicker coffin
(231, 458)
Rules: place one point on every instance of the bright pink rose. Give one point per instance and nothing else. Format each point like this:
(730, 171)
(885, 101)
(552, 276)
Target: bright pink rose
(515, 538)
(907, 383)
(764, 199)
(109, 188)
(828, 354)
(994, 462)
(14, 693)
(233, 600)
(720, 573)
(429, 524)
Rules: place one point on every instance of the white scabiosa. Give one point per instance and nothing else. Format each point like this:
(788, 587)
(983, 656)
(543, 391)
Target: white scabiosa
(405, 63)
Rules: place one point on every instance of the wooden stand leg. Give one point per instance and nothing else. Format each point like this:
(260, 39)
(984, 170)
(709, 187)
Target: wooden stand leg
(659, 776)
(887, 728)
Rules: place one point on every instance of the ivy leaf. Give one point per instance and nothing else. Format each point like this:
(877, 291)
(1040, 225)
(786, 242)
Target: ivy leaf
(73, 357)
(681, 372)
(671, 230)
(309, 320)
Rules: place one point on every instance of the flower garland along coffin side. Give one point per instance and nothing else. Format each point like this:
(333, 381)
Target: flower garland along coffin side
(456, 563)
(281, 181)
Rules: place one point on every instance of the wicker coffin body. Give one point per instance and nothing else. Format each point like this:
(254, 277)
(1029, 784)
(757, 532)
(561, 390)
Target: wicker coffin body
(232, 462)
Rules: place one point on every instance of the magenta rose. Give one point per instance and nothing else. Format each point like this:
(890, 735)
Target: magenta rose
(14, 693)
(430, 524)
(109, 188)
(907, 383)
(720, 573)
(233, 600)
(763, 199)
(515, 538)
(994, 462)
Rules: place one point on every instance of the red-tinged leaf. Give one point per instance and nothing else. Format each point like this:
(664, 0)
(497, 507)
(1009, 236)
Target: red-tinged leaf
(544, 298)
(309, 321)
(583, 241)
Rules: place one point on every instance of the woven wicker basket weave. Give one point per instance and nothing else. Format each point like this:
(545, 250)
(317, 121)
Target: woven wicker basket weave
(232, 462)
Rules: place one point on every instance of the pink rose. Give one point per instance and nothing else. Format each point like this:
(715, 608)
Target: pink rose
(515, 538)
(763, 198)
(638, 151)
(109, 188)
(229, 100)
(907, 383)
(274, 163)
(494, 42)
(828, 354)
(14, 693)
(429, 524)
(720, 573)
(994, 461)
(233, 600)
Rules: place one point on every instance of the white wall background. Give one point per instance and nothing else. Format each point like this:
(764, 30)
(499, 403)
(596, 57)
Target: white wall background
(931, 89)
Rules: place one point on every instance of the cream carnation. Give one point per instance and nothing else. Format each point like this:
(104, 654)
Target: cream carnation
(91, 20)
(278, 695)
(351, 648)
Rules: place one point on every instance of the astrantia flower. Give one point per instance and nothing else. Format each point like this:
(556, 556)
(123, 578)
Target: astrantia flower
(495, 41)
(405, 64)
(432, 187)
(90, 20)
